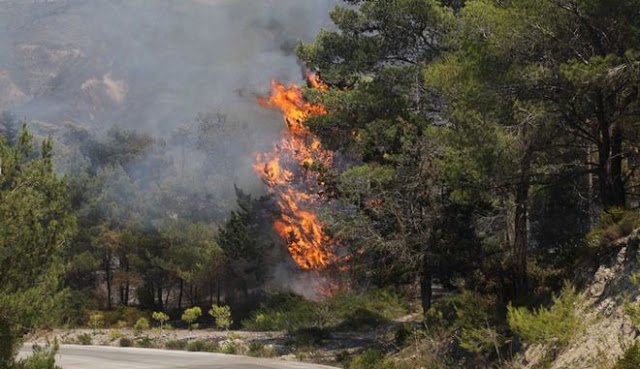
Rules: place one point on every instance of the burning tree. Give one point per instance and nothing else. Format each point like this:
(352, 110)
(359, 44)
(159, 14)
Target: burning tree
(290, 171)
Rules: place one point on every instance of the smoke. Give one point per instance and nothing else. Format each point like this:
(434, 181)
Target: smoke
(153, 66)
(177, 70)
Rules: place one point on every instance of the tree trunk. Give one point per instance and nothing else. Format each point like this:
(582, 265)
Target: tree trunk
(180, 294)
(160, 303)
(617, 191)
(218, 291)
(425, 285)
(610, 179)
(107, 269)
(8, 344)
(127, 288)
(521, 240)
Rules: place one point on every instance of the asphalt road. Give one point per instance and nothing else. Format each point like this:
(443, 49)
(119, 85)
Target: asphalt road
(103, 357)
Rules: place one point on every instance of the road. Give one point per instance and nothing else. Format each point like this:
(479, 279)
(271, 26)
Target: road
(104, 357)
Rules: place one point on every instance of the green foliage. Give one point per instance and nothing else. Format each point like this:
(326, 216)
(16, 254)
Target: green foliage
(126, 342)
(230, 348)
(476, 318)
(403, 333)
(310, 336)
(350, 310)
(123, 316)
(259, 349)
(36, 223)
(145, 342)
(141, 325)
(614, 224)
(222, 316)
(96, 320)
(84, 339)
(176, 345)
(160, 317)
(554, 325)
(284, 312)
(191, 314)
(370, 359)
(202, 345)
(630, 359)
(114, 334)
(40, 358)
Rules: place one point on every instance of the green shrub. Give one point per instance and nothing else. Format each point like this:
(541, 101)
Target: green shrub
(310, 336)
(96, 319)
(161, 318)
(403, 333)
(544, 325)
(222, 316)
(283, 312)
(190, 315)
(476, 319)
(354, 310)
(126, 314)
(630, 359)
(381, 302)
(84, 339)
(614, 223)
(126, 342)
(41, 358)
(370, 359)
(202, 345)
(175, 345)
(145, 341)
(141, 325)
(229, 348)
(114, 334)
(259, 349)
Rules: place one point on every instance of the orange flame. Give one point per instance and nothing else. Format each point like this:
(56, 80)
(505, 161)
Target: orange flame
(286, 170)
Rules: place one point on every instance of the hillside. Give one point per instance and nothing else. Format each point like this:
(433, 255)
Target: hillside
(608, 329)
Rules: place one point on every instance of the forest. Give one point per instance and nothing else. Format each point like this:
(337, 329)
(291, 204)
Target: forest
(461, 161)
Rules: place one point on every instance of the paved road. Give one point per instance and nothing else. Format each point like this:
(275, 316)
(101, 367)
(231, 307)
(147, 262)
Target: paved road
(102, 357)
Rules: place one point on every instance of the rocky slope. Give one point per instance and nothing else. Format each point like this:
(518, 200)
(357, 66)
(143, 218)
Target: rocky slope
(608, 329)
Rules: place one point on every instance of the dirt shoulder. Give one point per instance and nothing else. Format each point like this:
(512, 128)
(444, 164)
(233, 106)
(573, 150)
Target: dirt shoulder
(322, 347)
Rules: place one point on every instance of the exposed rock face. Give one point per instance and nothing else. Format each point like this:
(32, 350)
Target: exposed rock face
(609, 330)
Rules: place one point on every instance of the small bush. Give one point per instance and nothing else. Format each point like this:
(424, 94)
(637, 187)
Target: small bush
(282, 312)
(175, 345)
(403, 333)
(362, 319)
(190, 315)
(161, 318)
(559, 322)
(145, 342)
(310, 336)
(114, 334)
(229, 348)
(41, 358)
(370, 359)
(202, 345)
(126, 314)
(259, 349)
(222, 316)
(630, 359)
(355, 310)
(126, 342)
(141, 325)
(84, 339)
(614, 223)
(96, 319)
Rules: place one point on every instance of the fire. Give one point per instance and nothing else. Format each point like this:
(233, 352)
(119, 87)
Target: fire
(287, 170)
